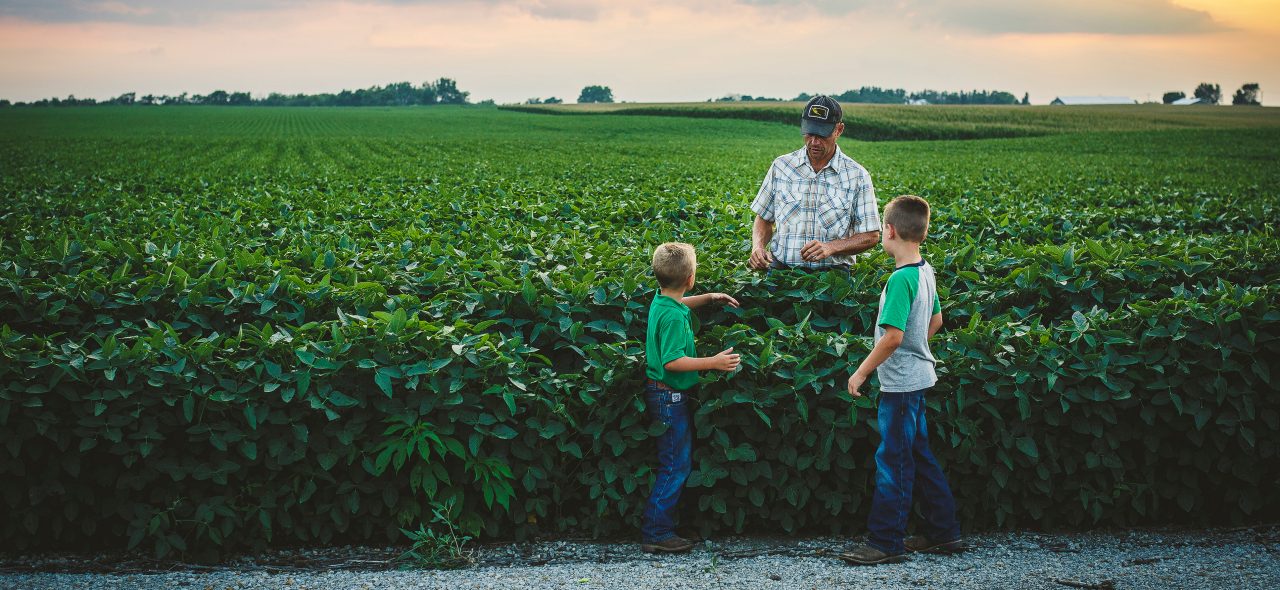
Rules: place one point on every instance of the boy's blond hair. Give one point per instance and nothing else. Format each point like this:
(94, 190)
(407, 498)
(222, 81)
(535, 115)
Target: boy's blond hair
(673, 263)
(909, 216)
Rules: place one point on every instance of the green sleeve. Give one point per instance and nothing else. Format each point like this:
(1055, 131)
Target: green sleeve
(937, 304)
(673, 339)
(898, 295)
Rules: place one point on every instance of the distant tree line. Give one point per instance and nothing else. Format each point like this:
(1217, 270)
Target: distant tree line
(878, 95)
(1248, 95)
(745, 98)
(589, 94)
(595, 93)
(442, 91)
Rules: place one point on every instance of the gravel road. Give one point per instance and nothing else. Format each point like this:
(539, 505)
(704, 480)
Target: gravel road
(1239, 558)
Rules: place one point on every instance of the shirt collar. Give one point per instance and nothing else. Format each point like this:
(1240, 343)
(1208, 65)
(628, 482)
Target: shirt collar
(801, 161)
(660, 299)
(921, 263)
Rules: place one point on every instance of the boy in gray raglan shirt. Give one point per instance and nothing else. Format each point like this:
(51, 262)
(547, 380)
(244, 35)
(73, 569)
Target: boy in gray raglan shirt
(910, 313)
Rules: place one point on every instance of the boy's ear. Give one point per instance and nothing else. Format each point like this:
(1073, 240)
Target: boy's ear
(890, 232)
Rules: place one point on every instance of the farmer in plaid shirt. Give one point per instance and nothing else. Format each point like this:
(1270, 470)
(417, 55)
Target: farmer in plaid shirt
(816, 208)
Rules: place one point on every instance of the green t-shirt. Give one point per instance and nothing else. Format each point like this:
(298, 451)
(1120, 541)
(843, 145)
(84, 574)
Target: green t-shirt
(669, 337)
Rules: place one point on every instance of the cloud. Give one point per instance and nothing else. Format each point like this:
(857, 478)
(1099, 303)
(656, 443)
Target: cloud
(147, 12)
(178, 12)
(1107, 17)
(1104, 17)
(584, 10)
(992, 17)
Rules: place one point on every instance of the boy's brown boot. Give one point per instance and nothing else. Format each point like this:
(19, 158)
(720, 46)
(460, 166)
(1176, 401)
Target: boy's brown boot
(867, 555)
(672, 545)
(923, 544)
(690, 534)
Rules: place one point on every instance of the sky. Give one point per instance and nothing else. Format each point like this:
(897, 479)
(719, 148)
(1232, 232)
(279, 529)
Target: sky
(644, 50)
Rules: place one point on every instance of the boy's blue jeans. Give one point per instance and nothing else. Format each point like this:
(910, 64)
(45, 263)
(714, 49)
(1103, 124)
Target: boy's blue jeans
(905, 466)
(674, 448)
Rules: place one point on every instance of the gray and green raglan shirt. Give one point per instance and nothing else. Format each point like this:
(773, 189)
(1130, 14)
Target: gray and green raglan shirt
(908, 301)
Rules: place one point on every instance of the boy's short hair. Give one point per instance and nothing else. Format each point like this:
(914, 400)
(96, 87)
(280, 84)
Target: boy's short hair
(909, 216)
(673, 263)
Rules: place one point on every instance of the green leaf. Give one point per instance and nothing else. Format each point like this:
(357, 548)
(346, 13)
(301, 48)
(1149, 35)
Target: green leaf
(384, 382)
(1027, 446)
(342, 400)
(504, 432)
(764, 417)
(1081, 322)
(327, 460)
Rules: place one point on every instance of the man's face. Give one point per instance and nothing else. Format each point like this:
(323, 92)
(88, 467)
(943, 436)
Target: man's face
(821, 148)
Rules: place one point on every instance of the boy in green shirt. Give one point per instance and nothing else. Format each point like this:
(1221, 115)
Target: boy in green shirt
(672, 369)
(910, 314)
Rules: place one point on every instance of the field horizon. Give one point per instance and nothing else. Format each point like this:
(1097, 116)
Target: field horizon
(884, 122)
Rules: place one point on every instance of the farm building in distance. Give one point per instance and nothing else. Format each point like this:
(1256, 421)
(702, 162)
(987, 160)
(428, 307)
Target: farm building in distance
(1190, 100)
(1092, 100)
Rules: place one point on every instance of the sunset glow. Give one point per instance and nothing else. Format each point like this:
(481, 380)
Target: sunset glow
(646, 51)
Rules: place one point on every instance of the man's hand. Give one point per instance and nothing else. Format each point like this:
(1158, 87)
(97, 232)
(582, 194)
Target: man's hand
(761, 258)
(724, 298)
(815, 251)
(725, 361)
(855, 382)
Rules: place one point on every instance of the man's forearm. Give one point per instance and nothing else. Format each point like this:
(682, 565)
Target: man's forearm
(761, 233)
(855, 244)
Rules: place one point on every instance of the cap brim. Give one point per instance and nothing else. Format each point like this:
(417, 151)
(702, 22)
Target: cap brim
(810, 127)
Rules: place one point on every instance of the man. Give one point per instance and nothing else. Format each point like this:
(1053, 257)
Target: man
(816, 208)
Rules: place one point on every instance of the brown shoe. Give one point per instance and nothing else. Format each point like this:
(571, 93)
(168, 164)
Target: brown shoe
(691, 535)
(672, 545)
(868, 555)
(923, 544)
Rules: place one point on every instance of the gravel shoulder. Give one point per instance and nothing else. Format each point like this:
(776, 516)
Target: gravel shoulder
(1231, 558)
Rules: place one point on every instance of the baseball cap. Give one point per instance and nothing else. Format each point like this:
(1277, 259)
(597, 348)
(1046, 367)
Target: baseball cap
(820, 116)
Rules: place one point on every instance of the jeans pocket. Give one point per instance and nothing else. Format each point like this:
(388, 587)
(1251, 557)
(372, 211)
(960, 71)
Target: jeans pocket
(658, 403)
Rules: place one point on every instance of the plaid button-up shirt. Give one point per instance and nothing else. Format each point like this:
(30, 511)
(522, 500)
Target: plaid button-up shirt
(804, 206)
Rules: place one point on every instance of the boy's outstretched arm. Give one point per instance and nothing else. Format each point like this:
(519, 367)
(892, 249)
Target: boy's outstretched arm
(935, 324)
(888, 343)
(725, 361)
(695, 301)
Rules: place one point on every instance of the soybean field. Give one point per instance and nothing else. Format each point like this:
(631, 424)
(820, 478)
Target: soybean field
(223, 329)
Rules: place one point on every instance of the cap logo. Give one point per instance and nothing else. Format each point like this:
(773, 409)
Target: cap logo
(818, 111)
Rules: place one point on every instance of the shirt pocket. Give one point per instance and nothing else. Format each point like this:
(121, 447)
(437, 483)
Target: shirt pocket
(788, 204)
(834, 213)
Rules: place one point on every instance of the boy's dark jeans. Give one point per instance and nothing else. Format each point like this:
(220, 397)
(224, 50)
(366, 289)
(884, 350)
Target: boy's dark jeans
(674, 447)
(905, 466)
